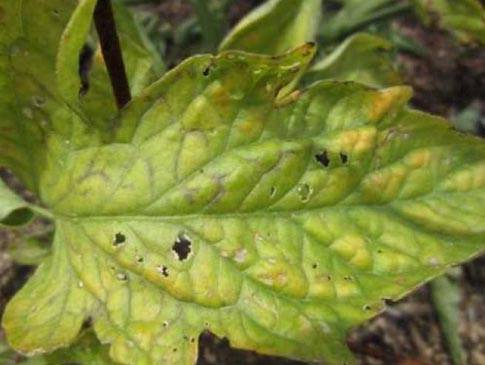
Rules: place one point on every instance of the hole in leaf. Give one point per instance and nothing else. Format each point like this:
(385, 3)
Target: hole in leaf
(367, 307)
(85, 63)
(304, 191)
(206, 71)
(121, 276)
(119, 239)
(182, 247)
(322, 158)
(18, 217)
(348, 278)
(164, 271)
(314, 266)
(344, 158)
(140, 259)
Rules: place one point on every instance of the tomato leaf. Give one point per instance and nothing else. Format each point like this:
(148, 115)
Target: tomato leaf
(213, 202)
(276, 27)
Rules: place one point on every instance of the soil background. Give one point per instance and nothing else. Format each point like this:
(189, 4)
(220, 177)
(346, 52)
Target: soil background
(447, 79)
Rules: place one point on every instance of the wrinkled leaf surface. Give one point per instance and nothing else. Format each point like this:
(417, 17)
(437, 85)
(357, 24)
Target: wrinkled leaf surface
(213, 203)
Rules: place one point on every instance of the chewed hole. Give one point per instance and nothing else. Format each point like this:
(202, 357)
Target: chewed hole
(206, 72)
(182, 247)
(322, 158)
(140, 259)
(85, 64)
(119, 239)
(304, 191)
(163, 270)
(314, 266)
(344, 158)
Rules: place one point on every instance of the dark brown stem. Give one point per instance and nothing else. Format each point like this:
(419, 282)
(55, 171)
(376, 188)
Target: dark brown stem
(110, 47)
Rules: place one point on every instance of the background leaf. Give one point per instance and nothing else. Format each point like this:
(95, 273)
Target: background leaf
(212, 202)
(465, 18)
(275, 27)
(445, 294)
(363, 58)
(343, 17)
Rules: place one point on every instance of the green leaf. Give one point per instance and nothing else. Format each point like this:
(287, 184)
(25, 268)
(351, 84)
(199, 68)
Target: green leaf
(34, 112)
(72, 41)
(215, 203)
(49, 311)
(14, 210)
(465, 18)
(86, 351)
(363, 57)
(276, 27)
(445, 294)
(210, 16)
(353, 15)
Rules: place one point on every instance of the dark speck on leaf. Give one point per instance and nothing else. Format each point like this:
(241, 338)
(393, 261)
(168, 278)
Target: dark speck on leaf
(206, 71)
(322, 158)
(344, 158)
(181, 247)
(119, 239)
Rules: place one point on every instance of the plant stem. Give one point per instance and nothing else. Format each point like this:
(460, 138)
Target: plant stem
(111, 49)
